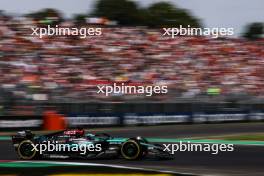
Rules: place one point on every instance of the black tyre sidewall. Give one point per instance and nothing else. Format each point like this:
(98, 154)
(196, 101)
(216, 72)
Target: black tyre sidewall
(21, 155)
(139, 148)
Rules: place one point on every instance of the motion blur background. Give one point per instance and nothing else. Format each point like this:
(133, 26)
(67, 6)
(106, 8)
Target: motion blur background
(62, 72)
(50, 83)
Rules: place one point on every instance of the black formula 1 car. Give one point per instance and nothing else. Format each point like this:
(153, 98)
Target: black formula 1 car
(75, 143)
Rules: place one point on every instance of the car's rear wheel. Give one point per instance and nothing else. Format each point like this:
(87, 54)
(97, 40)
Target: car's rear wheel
(131, 150)
(26, 150)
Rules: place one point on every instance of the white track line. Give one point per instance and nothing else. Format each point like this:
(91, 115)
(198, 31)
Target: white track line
(106, 165)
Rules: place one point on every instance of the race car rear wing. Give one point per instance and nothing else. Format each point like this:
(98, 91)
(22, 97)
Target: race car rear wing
(22, 135)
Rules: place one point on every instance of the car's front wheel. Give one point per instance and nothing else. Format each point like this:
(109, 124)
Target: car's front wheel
(131, 150)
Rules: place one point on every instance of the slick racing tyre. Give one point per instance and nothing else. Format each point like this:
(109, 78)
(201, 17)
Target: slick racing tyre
(131, 150)
(26, 150)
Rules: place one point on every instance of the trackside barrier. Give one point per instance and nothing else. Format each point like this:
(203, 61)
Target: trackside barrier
(136, 119)
(92, 120)
(14, 123)
(51, 120)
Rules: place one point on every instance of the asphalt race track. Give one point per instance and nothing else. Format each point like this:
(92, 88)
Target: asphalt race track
(244, 161)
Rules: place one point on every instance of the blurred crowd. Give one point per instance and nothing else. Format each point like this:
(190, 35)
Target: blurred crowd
(67, 68)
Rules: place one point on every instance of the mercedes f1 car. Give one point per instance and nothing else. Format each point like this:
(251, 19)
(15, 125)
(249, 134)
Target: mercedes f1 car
(67, 144)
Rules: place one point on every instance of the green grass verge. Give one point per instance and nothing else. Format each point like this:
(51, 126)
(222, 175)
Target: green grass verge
(242, 137)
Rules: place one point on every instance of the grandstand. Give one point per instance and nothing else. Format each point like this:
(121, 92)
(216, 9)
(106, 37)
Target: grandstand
(63, 68)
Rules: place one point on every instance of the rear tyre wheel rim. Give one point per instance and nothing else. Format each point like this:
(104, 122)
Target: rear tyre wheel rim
(26, 150)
